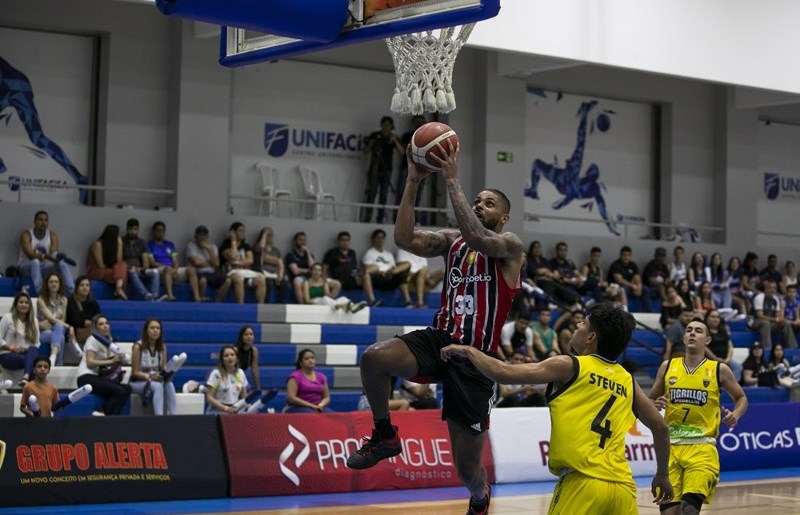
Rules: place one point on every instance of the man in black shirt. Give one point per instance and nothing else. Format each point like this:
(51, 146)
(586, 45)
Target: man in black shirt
(656, 273)
(137, 257)
(624, 272)
(381, 146)
(341, 263)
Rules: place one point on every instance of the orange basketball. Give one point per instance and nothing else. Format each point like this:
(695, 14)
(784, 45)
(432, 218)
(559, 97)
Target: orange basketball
(425, 144)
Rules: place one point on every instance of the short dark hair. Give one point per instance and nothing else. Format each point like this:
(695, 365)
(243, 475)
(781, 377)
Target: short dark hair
(157, 225)
(625, 248)
(595, 249)
(40, 212)
(377, 232)
(387, 119)
(613, 327)
(687, 309)
(132, 222)
(791, 287)
(503, 199)
(42, 358)
(560, 244)
(343, 233)
(297, 235)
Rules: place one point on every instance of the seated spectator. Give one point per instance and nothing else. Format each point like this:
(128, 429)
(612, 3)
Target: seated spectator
(39, 253)
(137, 258)
(307, 389)
(703, 301)
(541, 273)
(768, 317)
(385, 273)
(419, 396)
(547, 336)
(19, 337)
(419, 277)
(698, 272)
(677, 268)
(685, 293)
(203, 257)
(46, 392)
(770, 272)
(750, 278)
(517, 336)
(227, 384)
(105, 261)
(779, 365)
(237, 260)
(101, 368)
(247, 354)
(81, 309)
(565, 332)
(51, 313)
(148, 359)
(164, 258)
(671, 307)
(394, 404)
(565, 273)
(789, 277)
(721, 347)
(673, 335)
(267, 260)
(791, 308)
(520, 395)
(720, 283)
(656, 274)
(734, 270)
(755, 369)
(317, 291)
(625, 273)
(341, 264)
(298, 262)
(594, 274)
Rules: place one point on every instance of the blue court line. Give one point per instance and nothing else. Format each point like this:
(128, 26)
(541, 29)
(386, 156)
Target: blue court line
(343, 499)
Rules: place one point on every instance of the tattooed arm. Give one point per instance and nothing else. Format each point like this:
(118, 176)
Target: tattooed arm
(421, 243)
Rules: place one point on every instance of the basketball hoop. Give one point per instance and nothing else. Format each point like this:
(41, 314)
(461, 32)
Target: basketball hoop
(423, 63)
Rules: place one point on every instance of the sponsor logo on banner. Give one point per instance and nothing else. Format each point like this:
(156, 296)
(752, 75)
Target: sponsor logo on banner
(35, 183)
(778, 187)
(282, 139)
(761, 440)
(290, 474)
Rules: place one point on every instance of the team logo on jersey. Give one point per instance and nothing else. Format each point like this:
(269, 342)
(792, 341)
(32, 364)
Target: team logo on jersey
(673, 380)
(706, 382)
(471, 257)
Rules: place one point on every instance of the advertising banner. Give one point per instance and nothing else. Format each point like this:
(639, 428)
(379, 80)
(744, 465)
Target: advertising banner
(111, 459)
(768, 436)
(306, 453)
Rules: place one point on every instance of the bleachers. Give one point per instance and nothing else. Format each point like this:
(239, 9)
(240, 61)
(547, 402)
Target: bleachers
(338, 340)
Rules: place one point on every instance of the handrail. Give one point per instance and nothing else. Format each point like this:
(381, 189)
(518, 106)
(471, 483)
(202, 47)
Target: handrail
(23, 186)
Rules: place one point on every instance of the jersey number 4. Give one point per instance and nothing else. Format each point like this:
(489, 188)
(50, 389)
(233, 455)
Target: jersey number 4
(465, 305)
(601, 425)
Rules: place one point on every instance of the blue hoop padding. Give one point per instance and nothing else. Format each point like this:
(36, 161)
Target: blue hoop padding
(311, 20)
(487, 9)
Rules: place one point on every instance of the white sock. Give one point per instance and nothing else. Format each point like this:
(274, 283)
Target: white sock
(52, 360)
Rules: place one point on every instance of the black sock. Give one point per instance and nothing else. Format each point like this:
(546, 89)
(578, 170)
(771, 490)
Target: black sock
(384, 428)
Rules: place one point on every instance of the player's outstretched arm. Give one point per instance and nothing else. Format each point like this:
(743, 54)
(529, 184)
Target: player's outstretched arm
(740, 402)
(647, 413)
(555, 369)
(504, 246)
(421, 243)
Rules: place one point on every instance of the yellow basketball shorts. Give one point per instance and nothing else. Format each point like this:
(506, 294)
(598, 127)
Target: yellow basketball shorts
(576, 494)
(694, 469)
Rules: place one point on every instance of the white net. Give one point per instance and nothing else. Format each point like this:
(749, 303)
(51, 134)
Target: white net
(423, 63)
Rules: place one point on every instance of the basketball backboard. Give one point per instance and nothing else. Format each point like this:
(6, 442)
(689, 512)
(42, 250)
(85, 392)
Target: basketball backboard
(365, 20)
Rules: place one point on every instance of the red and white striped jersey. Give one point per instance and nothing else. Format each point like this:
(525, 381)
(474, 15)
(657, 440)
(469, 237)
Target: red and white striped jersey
(475, 298)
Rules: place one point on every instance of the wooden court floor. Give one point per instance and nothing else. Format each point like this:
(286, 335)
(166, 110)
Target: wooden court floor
(773, 497)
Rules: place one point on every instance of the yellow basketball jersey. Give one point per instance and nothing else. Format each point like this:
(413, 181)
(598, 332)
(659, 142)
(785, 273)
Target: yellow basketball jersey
(692, 412)
(590, 416)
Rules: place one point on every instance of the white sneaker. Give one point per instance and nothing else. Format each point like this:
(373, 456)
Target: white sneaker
(98, 414)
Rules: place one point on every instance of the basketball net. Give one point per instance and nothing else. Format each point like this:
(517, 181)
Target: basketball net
(423, 63)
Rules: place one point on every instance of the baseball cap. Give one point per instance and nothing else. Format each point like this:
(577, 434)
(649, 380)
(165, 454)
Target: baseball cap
(201, 229)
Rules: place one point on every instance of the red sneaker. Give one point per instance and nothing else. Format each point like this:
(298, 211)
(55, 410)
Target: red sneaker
(480, 508)
(374, 450)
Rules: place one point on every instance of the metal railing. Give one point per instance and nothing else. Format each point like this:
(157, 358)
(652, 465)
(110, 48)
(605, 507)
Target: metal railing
(22, 187)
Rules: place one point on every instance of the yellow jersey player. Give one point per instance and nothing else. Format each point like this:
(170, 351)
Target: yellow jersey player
(593, 402)
(689, 389)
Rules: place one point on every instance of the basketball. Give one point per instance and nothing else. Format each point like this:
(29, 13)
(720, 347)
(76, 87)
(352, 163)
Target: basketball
(425, 140)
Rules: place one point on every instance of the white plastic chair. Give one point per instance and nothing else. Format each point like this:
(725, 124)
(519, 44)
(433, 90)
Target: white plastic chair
(312, 190)
(268, 187)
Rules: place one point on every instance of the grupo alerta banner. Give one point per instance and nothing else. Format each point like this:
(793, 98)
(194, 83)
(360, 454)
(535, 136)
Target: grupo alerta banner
(110, 459)
(768, 436)
(306, 453)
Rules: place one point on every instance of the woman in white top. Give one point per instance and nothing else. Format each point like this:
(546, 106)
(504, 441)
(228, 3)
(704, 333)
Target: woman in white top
(101, 368)
(19, 337)
(677, 268)
(226, 383)
(148, 359)
(51, 313)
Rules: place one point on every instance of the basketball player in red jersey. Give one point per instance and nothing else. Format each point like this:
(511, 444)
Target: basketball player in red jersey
(483, 276)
